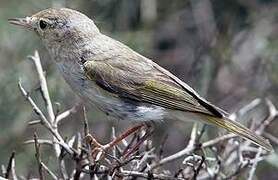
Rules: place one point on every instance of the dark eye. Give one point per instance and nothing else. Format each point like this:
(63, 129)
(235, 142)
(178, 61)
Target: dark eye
(43, 24)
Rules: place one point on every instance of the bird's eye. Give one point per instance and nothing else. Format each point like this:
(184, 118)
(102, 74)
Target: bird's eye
(42, 24)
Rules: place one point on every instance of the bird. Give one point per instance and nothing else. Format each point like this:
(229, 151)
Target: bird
(120, 82)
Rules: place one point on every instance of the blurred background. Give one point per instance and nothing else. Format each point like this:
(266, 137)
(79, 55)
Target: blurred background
(226, 50)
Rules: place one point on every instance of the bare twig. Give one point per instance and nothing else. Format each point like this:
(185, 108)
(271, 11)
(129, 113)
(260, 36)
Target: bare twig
(44, 121)
(147, 175)
(161, 147)
(271, 137)
(86, 125)
(35, 122)
(253, 104)
(45, 94)
(113, 137)
(189, 149)
(217, 140)
(49, 171)
(62, 165)
(273, 113)
(3, 170)
(64, 114)
(254, 165)
(13, 174)
(38, 156)
(39, 141)
(43, 85)
(10, 172)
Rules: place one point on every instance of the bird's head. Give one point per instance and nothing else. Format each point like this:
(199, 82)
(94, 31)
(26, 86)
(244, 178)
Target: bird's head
(59, 26)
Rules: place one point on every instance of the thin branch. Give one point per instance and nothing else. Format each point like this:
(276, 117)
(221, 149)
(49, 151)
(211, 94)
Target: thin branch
(35, 122)
(47, 100)
(44, 121)
(38, 156)
(254, 165)
(147, 175)
(14, 176)
(39, 141)
(37, 111)
(43, 84)
(113, 137)
(78, 143)
(161, 146)
(217, 140)
(49, 171)
(65, 114)
(273, 113)
(86, 125)
(88, 141)
(62, 165)
(186, 151)
(3, 170)
(271, 137)
(253, 104)
(10, 172)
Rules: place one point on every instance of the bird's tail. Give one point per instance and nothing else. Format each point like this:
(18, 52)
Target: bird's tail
(240, 130)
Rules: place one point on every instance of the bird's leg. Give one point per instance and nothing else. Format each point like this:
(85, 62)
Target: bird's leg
(149, 131)
(99, 147)
(129, 151)
(124, 135)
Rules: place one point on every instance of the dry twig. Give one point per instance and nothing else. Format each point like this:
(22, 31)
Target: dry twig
(10, 172)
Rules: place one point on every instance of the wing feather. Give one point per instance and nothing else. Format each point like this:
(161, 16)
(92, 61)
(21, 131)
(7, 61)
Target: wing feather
(142, 81)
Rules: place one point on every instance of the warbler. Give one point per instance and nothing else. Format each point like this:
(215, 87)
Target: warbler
(119, 81)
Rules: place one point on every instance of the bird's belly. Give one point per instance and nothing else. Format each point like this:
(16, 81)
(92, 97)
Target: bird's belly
(119, 108)
(108, 102)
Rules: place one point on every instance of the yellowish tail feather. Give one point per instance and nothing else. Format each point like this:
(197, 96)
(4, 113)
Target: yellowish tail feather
(240, 130)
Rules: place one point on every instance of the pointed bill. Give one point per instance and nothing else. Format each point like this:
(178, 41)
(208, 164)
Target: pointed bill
(23, 22)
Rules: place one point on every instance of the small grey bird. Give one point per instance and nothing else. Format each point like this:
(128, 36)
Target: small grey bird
(119, 81)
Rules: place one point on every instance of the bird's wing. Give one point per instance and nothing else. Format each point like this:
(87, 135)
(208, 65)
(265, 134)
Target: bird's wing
(132, 76)
(212, 108)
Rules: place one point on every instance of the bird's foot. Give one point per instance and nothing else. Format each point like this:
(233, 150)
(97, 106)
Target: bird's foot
(137, 145)
(99, 150)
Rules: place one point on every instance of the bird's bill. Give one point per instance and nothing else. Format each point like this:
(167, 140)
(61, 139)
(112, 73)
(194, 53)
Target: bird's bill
(23, 22)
